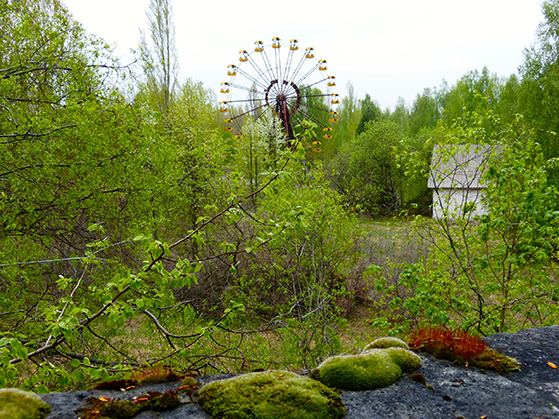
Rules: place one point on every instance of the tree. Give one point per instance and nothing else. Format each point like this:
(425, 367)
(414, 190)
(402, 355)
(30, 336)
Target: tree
(425, 112)
(539, 92)
(370, 112)
(372, 181)
(401, 115)
(200, 152)
(475, 92)
(350, 116)
(68, 139)
(161, 63)
(510, 103)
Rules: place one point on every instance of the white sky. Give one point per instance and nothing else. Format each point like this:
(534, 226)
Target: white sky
(387, 48)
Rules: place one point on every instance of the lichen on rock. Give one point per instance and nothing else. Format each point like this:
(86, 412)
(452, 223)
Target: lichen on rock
(271, 394)
(375, 367)
(19, 404)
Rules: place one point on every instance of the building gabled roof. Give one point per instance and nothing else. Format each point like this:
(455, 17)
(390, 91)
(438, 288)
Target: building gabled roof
(458, 166)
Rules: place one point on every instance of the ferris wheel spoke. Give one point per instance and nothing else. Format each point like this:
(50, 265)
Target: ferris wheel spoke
(312, 70)
(277, 58)
(251, 78)
(244, 101)
(248, 89)
(235, 117)
(260, 73)
(267, 64)
(298, 68)
(293, 46)
(241, 87)
(315, 83)
(316, 95)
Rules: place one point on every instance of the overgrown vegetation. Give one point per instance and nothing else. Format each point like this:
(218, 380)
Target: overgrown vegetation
(134, 231)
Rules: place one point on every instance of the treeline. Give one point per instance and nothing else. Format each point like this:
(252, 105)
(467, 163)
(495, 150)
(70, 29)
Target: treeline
(365, 167)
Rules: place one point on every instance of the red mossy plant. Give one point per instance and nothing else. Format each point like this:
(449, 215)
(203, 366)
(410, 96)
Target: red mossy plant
(455, 345)
(461, 348)
(155, 374)
(148, 375)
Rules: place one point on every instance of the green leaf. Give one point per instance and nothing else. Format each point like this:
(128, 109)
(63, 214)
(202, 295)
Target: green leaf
(77, 375)
(41, 389)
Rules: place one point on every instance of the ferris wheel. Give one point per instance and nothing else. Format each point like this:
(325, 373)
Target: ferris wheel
(287, 79)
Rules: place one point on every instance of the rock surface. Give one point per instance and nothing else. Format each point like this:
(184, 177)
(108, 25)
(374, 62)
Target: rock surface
(456, 392)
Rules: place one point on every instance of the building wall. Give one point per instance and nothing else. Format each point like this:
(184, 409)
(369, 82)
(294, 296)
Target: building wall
(450, 202)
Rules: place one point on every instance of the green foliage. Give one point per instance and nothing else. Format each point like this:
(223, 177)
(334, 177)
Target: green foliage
(350, 115)
(425, 112)
(298, 273)
(261, 151)
(370, 112)
(271, 394)
(91, 186)
(401, 116)
(17, 404)
(132, 228)
(197, 158)
(372, 369)
(538, 93)
(160, 57)
(475, 92)
(496, 272)
(369, 177)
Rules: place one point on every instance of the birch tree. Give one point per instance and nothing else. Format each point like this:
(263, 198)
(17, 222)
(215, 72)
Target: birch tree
(160, 55)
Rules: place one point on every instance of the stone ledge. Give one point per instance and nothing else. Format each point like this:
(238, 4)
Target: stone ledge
(456, 392)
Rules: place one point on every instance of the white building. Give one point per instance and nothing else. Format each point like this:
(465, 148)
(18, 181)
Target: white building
(455, 177)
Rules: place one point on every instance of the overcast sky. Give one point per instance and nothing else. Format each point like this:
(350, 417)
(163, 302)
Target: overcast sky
(387, 48)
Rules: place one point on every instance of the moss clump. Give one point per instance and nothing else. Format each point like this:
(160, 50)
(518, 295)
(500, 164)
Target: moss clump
(18, 404)
(104, 408)
(270, 394)
(372, 369)
(490, 359)
(387, 342)
(462, 348)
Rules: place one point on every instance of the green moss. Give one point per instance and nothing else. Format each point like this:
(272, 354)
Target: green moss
(372, 369)
(490, 359)
(419, 378)
(160, 402)
(104, 408)
(119, 409)
(387, 342)
(18, 404)
(270, 394)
